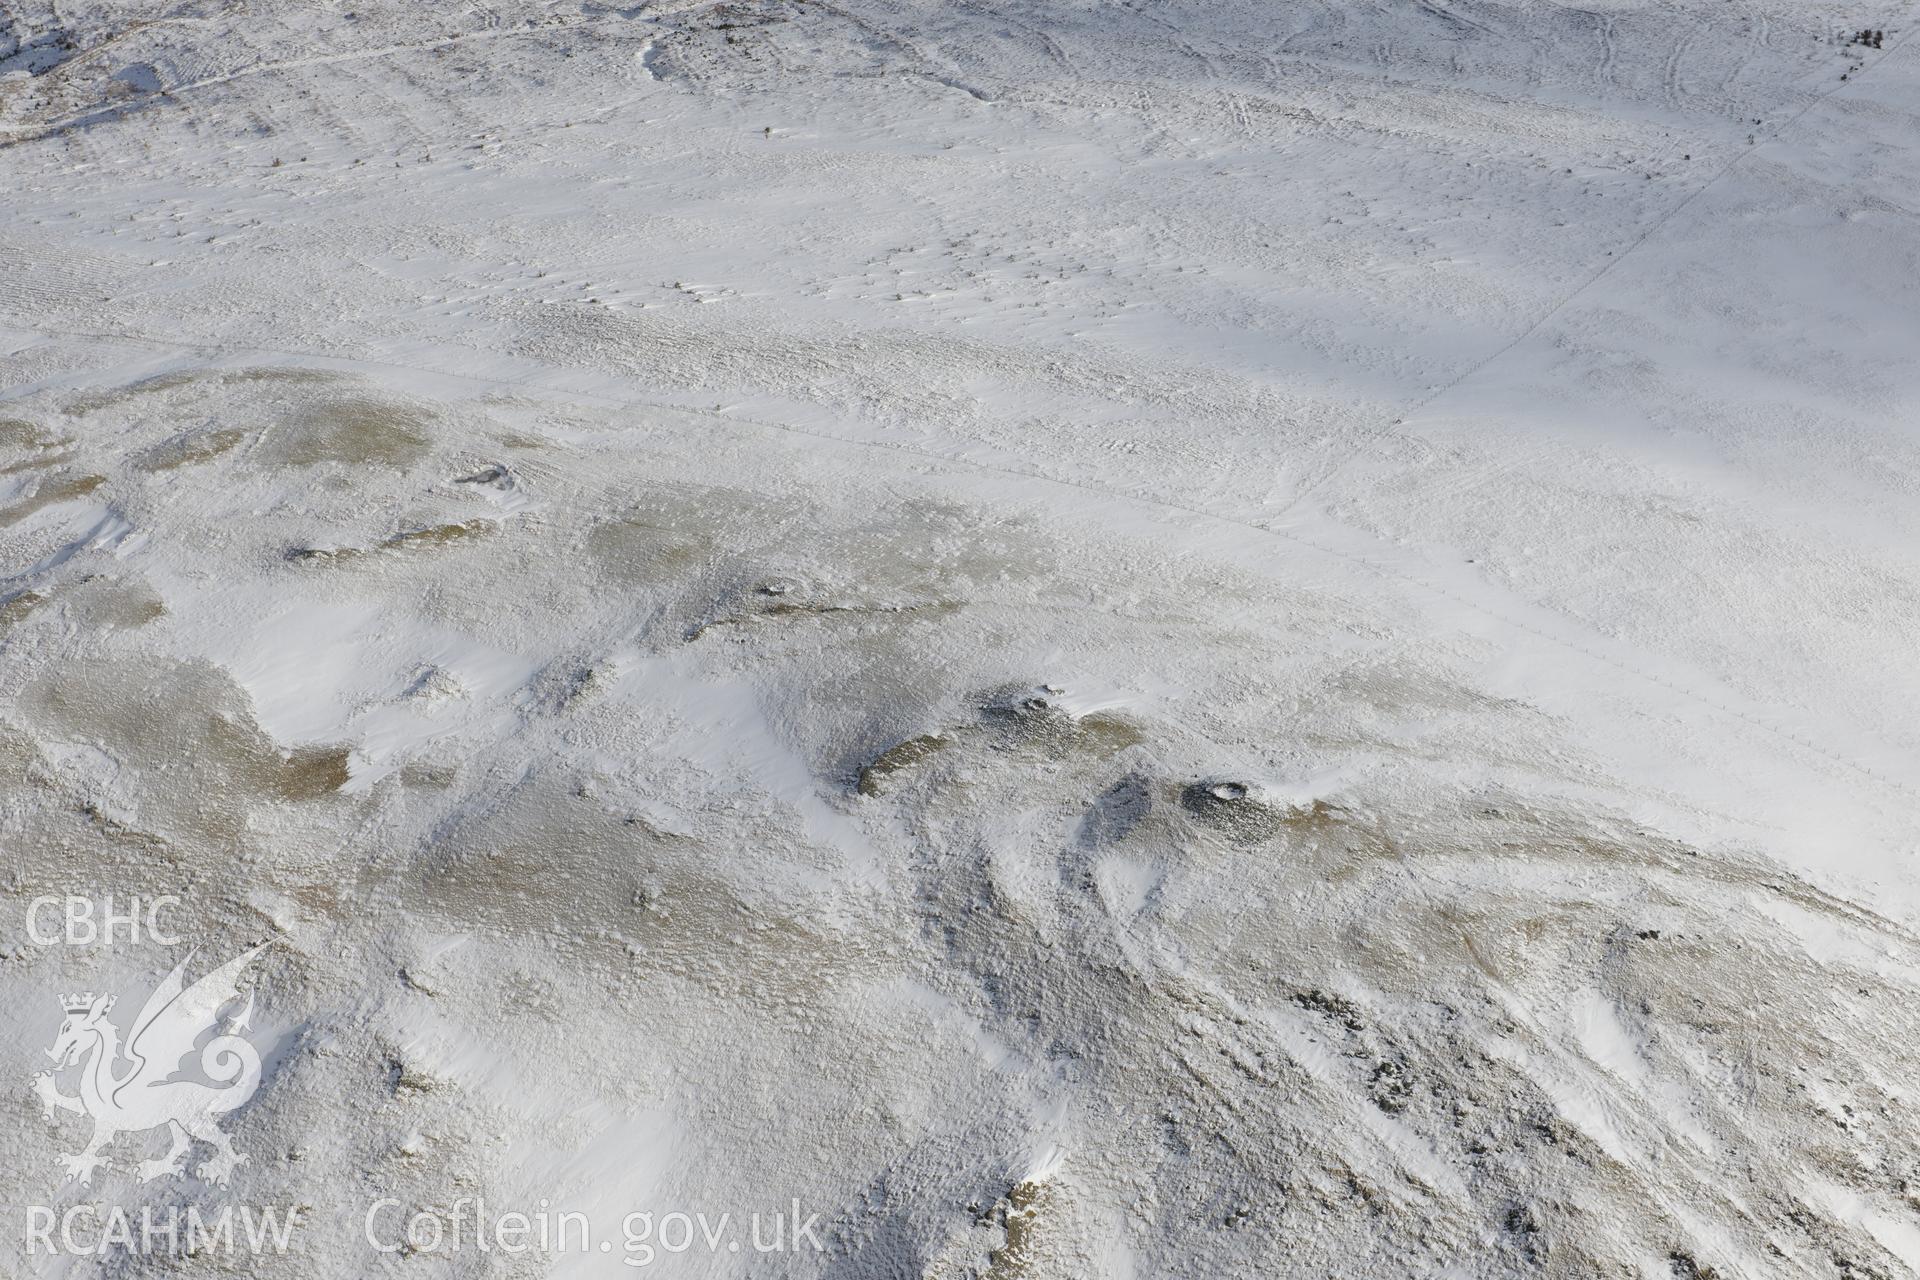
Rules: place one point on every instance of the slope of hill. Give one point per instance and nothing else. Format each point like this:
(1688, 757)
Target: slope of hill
(1088, 638)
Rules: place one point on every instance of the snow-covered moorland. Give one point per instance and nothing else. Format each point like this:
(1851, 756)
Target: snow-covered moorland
(1059, 638)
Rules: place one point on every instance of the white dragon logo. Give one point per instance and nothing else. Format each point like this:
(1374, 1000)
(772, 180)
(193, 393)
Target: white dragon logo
(148, 1092)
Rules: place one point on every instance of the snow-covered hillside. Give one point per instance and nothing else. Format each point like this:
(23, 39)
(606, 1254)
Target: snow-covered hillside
(1092, 639)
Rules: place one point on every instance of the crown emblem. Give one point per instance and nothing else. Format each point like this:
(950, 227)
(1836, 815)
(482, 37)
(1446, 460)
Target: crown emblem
(79, 1002)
